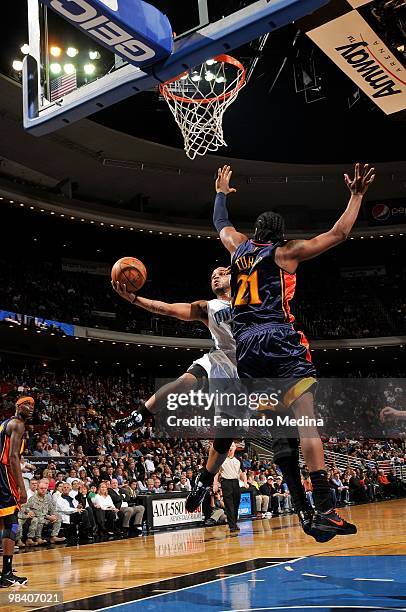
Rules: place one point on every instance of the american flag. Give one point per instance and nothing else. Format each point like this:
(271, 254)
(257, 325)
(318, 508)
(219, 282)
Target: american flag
(63, 85)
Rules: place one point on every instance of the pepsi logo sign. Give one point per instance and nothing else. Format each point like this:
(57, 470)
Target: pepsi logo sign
(381, 212)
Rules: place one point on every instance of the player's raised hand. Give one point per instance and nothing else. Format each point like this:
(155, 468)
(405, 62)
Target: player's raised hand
(387, 414)
(122, 292)
(224, 175)
(363, 177)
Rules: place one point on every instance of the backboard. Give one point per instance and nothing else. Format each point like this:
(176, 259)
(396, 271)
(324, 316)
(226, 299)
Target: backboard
(86, 55)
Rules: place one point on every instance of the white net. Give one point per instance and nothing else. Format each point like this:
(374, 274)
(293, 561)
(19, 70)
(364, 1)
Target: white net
(199, 99)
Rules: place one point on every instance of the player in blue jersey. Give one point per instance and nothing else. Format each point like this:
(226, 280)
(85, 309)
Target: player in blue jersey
(263, 280)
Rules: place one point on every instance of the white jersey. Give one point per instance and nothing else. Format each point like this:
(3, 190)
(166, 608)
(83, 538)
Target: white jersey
(220, 362)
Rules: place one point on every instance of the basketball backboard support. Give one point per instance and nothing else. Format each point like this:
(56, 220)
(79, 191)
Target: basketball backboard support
(51, 102)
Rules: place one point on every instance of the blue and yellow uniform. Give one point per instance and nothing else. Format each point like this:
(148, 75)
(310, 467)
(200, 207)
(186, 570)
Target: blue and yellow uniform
(9, 495)
(268, 346)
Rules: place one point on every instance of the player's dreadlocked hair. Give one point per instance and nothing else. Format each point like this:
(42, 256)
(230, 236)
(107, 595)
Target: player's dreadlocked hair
(269, 227)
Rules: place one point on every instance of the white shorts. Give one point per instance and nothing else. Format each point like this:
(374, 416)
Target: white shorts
(217, 365)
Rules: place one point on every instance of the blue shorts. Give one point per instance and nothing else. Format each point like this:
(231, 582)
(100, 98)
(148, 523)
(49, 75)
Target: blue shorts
(277, 351)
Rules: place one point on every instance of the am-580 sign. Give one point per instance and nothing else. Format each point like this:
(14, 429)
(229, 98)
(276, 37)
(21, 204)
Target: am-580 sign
(132, 29)
(172, 512)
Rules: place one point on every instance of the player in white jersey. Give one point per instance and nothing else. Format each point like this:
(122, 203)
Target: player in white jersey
(220, 362)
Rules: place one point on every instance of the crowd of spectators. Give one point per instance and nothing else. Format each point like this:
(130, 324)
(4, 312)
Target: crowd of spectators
(87, 480)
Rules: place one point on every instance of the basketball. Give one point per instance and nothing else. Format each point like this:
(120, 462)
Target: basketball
(131, 272)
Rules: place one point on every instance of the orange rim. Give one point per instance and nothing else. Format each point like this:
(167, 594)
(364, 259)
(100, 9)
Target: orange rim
(226, 59)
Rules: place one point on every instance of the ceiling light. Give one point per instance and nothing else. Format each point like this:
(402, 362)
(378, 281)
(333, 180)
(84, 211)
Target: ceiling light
(25, 49)
(55, 68)
(69, 68)
(72, 52)
(89, 69)
(55, 51)
(17, 65)
(94, 55)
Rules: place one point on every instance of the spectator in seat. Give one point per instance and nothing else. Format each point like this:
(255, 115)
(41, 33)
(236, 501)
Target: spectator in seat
(357, 487)
(184, 484)
(41, 508)
(54, 452)
(261, 501)
(84, 501)
(73, 517)
(33, 487)
(158, 488)
(282, 496)
(398, 486)
(266, 489)
(105, 510)
(149, 464)
(128, 509)
(40, 451)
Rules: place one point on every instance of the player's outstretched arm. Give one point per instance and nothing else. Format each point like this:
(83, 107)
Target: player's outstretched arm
(229, 236)
(194, 311)
(289, 256)
(389, 414)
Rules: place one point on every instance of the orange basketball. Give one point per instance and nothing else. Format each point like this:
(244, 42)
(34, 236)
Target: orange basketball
(130, 272)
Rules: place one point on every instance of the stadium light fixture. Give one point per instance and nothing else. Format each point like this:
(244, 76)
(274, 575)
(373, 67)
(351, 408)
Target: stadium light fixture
(221, 79)
(55, 51)
(72, 52)
(25, 49)
(209, 76)
(89, 69)
(69, 68)
(196, 77)
(211, 62)
(94, 55)
(55, 68)
(17, 65)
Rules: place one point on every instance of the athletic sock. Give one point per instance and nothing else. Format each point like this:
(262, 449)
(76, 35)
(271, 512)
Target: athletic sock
(7, 564)
(291, 473)
(206, 478)
(286, 456)
(321, 491)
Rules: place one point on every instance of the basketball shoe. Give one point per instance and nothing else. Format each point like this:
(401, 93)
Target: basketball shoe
(134, 421)
(331, 522)
(198, 493)
(10, 579)
(306, 520)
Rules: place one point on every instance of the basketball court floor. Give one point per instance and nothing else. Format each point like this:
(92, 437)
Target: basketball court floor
(270, 565)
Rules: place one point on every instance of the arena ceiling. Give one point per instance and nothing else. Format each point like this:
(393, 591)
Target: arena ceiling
(123, 171)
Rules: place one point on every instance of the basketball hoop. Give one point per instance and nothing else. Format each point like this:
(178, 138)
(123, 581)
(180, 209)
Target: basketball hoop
(199, 99)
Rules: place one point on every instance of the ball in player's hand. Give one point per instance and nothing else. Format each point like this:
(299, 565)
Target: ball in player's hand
(130, 272)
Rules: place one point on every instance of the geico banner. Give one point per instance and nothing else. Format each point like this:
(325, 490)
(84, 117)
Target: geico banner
(133, 29)
(172, 512)
(360, 53)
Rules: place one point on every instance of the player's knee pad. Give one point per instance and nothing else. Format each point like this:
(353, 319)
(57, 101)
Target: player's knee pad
(222, 445)
(10, 527)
